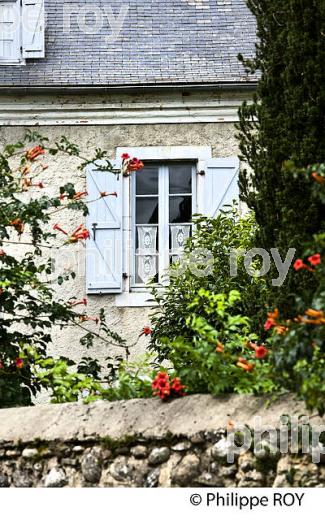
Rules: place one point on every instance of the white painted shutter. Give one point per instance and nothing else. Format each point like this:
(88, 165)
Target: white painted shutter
(219, 185)
(104, 248)
(33, 29)
(9, 31)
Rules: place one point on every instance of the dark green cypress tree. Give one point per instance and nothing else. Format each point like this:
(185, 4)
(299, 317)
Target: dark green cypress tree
(286, 121)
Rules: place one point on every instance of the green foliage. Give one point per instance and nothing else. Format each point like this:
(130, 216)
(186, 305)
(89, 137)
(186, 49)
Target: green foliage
(133, 380)
(281, 133)
(286, 121)
(206, 359)
(64, 385)
(299, 363)
(299, 354)
(217, 239)
(310, 374)
(29, 306)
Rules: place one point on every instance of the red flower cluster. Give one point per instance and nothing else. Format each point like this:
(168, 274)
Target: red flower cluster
(34, 152)
(318, 178)
(146, 331)
(272, 320)
(165, 388)
(77, 195)
(25, 170)
(314, 260)
(314, 317)
(220, 347)
(260, 351)
(245, 365)
(130, 164)
(84, 301)
(80, 233)
(18, 225)
(19, 363)
(89, 318)
(106, 194)
(56, 227)
(177, 387)
(27, 183)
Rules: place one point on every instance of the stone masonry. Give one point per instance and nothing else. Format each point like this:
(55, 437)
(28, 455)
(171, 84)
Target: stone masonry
(146, 443)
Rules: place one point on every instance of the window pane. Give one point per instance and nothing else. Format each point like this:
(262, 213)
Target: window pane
(147, 210)
(180, 178)
(146, 269)
(178, 237)
(180, 209)
(147, 181)
(147, 240)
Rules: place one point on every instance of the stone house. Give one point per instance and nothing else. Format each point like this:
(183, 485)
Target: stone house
(159, 80)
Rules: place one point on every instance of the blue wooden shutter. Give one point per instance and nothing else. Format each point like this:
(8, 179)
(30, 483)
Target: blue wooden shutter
(33, 29)
(9, 31)
(104, 248)
(220, 184)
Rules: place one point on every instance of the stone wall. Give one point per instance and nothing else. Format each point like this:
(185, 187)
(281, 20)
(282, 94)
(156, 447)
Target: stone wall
(147, 443)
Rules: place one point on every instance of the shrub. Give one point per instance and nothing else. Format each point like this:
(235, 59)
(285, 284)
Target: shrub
(219, 356)
(298, 344)
(216, 238)
(29, 307)
(132, 380)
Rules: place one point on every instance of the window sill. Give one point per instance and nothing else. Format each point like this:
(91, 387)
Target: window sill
(18, 62)
(135, 299)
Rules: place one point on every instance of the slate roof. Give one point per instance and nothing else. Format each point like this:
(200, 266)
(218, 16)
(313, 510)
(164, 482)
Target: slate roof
(161, 42)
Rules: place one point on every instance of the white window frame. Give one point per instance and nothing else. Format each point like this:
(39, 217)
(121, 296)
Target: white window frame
(163, 220)
(19, 60)
(140, 297)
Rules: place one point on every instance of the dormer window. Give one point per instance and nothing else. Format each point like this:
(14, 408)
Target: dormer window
(21, 31)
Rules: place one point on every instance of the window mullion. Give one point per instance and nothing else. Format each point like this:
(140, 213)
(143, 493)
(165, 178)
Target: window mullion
(163, 221)
(194, 193)
(134, 229)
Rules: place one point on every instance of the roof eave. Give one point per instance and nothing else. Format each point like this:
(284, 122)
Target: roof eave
(136, 88)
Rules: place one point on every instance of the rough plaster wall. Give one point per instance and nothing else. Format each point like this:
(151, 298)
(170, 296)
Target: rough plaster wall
(126, 321)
